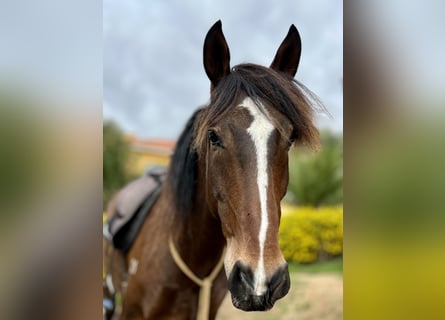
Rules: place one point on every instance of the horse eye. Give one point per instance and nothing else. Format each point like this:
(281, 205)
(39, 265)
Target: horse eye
(214, 138)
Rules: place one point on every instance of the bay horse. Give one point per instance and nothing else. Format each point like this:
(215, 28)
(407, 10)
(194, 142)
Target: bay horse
(227, 176)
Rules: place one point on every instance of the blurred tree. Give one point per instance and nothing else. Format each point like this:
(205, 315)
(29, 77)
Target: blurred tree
(317, 178)
(115, 156)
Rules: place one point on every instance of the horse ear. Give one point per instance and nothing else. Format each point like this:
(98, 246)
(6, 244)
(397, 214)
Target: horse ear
(288, 55)
(216, 54)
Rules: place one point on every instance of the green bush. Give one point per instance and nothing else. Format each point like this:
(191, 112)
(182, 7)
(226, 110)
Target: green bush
(309, 234)
(316, 178)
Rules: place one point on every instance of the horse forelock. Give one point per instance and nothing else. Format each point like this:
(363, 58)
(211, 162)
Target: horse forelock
(267, 88)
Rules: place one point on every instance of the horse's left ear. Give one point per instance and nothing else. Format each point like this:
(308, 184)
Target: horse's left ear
(288, 55)
(216, 54)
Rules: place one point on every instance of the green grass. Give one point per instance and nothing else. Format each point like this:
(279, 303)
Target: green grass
(330, 266)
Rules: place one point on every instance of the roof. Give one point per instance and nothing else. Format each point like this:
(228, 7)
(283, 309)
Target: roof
(153, 146)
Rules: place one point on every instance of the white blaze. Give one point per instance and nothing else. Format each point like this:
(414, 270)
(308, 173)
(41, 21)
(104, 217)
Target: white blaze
(260, 130)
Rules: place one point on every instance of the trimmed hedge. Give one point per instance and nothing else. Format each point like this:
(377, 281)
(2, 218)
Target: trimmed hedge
(309, 234)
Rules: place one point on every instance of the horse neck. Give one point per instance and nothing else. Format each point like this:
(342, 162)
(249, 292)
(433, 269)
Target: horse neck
(199, 237)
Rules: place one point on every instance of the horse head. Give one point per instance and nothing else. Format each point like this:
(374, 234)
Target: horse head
(254, 116)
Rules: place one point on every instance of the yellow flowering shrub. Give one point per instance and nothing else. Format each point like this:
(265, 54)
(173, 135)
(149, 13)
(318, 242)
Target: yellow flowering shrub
(307, 234)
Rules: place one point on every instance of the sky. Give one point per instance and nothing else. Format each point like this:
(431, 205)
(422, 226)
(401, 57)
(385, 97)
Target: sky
(153, 76)
(53, 48)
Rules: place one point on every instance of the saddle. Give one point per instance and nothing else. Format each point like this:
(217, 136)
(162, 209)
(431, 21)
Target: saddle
(130, 206)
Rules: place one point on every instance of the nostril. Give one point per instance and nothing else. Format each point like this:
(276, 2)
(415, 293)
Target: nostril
(279, 284)
(240, 280)
(245, 279)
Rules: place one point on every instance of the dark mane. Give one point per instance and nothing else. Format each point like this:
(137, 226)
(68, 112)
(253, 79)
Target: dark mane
(183, 167)
(287, 95)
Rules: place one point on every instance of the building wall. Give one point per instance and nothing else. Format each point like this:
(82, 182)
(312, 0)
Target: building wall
(141, 161)
(145, 153)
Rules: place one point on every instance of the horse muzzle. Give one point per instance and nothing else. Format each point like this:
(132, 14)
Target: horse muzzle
(241, 284)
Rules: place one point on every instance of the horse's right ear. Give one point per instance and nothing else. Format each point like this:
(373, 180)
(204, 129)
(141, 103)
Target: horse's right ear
(216, 54)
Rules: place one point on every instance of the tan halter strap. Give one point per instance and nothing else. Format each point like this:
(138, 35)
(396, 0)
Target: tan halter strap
(204, 284)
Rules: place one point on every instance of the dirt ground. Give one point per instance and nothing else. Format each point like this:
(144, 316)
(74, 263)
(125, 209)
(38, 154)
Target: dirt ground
(311, 297)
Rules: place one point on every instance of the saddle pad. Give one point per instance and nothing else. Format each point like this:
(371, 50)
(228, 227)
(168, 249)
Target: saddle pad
(132, 204)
